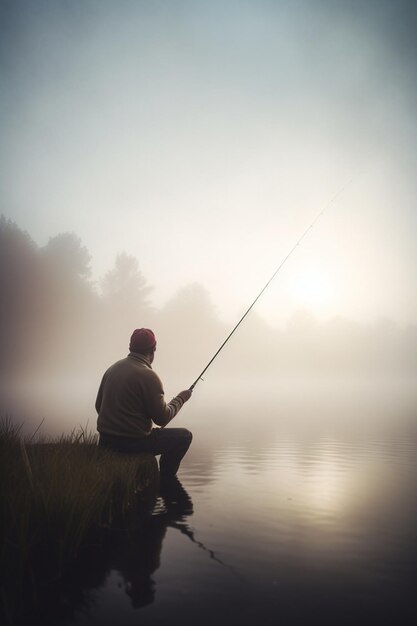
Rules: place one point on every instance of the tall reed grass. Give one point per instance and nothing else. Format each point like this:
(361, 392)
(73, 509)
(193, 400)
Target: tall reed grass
(54, 494)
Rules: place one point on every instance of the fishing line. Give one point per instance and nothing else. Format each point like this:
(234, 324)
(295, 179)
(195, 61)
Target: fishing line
(307, 230)
(186, 530)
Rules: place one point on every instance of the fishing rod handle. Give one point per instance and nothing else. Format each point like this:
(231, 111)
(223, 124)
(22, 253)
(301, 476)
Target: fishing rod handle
(194, 383)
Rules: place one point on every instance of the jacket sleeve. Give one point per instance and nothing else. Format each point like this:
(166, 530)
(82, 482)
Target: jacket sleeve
(158, 410)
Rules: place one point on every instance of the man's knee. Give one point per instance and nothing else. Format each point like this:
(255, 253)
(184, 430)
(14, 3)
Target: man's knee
(186, 436)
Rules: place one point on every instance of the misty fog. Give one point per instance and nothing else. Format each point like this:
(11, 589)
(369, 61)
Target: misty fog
(203, 137)
(60, 330)
(158, 160)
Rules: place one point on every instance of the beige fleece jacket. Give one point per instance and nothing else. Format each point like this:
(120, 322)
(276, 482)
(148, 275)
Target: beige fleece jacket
(131, 397)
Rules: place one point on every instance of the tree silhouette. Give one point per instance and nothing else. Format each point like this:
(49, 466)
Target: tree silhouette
(70, 306)
(67, 257)
(125, 303)
(188, 325)
(19, 309)
(125, 283)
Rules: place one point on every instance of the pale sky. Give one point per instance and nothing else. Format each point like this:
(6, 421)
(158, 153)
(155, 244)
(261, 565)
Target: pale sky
(204, 137)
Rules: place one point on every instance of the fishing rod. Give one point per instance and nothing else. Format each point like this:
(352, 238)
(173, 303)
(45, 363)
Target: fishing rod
(307, 230)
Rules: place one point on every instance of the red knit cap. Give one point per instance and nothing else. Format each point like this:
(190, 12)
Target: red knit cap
(142, 340)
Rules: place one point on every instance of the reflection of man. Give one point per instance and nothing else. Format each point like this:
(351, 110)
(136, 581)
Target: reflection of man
(131, 398)
(143, 552)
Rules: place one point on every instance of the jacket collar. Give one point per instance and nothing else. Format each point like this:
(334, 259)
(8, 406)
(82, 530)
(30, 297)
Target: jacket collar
(137, 356)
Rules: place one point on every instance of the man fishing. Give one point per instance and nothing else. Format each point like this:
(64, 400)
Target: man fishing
(130, 400)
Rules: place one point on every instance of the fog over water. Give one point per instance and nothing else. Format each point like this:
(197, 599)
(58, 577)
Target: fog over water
(59, 335)
(157, 163)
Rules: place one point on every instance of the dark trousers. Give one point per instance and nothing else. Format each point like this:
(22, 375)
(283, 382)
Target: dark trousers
(170, 443)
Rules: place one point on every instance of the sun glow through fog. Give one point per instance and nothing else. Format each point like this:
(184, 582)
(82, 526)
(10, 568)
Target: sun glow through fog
(314, 289)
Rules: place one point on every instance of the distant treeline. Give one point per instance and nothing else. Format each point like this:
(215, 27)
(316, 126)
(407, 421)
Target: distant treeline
(55, 320)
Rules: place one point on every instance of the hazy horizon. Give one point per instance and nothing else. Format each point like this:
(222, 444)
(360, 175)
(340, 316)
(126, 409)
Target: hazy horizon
(156, 302)
(59, 335)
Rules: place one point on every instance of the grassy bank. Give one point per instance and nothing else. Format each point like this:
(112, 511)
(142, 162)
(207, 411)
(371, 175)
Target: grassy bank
(56, 495)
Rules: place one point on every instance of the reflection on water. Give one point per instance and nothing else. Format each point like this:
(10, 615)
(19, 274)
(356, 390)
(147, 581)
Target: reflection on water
(300, 511)
(287, 530)
(140, 556)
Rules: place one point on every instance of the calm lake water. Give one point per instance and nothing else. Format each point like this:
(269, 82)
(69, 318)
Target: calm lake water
(295, 507)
